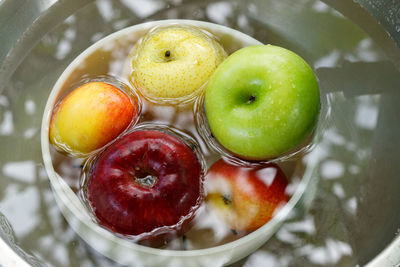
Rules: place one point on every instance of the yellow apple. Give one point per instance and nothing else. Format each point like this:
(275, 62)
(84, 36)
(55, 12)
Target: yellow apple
(174, 62)
(91, 116)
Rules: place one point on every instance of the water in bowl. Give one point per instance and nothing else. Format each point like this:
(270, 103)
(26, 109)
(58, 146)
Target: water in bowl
(356, 155)
(111, 62)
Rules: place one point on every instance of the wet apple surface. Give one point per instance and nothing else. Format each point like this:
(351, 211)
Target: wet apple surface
(91, 116)
(173, 63)
(147, 184)
(246, 197)
(262, 102)
(144, 181)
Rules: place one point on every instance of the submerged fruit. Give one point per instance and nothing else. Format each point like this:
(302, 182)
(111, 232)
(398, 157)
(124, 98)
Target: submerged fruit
(174, 62)
(262, 102)
(245, 197)
(148, 182)
(91, 116)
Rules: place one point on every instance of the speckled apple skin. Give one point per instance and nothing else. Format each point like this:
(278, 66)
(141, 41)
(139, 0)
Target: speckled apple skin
(126, 207)
(193, 57)
(91, 116)
(245, 197)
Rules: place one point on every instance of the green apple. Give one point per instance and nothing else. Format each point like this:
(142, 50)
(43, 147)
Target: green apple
(262, 101)
(174, 62)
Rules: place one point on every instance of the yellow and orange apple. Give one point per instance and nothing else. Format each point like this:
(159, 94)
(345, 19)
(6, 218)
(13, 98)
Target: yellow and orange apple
(91, 116)
(245, 198)
(172, 63)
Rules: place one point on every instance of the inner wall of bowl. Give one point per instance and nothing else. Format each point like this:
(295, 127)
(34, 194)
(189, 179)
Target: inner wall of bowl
(73, 209)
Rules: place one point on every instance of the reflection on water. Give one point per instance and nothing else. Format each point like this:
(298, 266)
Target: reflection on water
(356, 154)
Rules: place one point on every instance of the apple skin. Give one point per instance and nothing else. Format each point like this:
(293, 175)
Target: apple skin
(147, 184)
(91, 116)
(245, 197)
(262, 101)
(175, 62)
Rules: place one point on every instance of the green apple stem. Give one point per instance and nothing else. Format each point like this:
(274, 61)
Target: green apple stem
(251, 99)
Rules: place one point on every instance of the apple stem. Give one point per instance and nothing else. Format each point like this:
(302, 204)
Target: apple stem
(149, 181)
(144, 178)
(251, 99)
(167, 53)
(227, 199)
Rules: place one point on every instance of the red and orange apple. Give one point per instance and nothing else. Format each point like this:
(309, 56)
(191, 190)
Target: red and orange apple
(91, 116)
(245, 197)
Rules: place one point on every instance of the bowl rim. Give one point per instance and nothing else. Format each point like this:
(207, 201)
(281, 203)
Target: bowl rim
(260, 235)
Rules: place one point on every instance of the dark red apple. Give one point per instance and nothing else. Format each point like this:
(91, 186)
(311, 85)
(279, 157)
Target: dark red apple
(147, 181)
(245, 197)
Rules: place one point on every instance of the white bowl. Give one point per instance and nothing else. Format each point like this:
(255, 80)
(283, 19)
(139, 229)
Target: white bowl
(128, 253)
